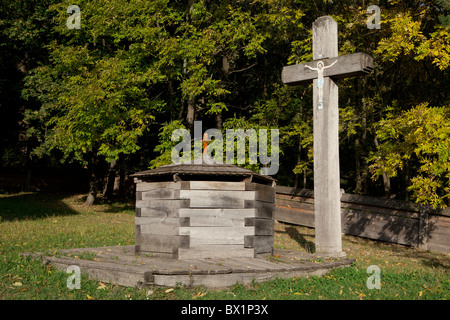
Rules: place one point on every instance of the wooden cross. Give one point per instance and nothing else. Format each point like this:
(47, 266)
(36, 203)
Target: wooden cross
(326, 69)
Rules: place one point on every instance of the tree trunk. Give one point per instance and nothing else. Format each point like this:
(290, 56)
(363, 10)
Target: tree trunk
(358, 177)
(121, 178)
(219, 120)
(108, 190)
(27, 186)
(386, 180)
(93, 182)
(92, 191)
(298, 161)
(190, 116)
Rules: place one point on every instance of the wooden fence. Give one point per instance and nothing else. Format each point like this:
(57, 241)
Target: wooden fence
(375, 218)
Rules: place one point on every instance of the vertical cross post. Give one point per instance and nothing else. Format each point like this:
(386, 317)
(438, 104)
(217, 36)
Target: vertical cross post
(324, 72)
(327, 202)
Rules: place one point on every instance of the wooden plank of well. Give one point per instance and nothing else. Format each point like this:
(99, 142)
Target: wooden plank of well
(216, 235)
(146, 186)
(168, 226)
(162, 203)
(158, 212)
(162, 193)
(263, 227)
(217, 185)
(261, 244)
(265, 209)
(226, 213)
(161, 243)
(214, 221)
(263, 192)
(217, 198)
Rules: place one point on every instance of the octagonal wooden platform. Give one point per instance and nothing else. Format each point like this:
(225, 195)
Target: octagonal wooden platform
(120, 265)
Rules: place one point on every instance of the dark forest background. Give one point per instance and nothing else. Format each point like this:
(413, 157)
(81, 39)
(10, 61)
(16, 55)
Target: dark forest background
(79, 107)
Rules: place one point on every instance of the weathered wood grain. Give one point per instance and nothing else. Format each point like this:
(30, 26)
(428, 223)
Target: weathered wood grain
(263, 192)
(226, 213)
(147, 186)
(262, 227)
(217, 185)
(380, 227)
(162, 203)
(161, 243)
(217, 198)
(161, 193)
(214, 221)
(294, 191)
(160, 226)
(294, 204)
(261, 244)
(214, 251)
(295, 216)
(380, 219)
(351, 65)
(216, 235)
(132, 270)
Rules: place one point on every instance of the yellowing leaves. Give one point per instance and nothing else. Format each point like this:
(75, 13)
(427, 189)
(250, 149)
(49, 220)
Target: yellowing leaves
(405, 37)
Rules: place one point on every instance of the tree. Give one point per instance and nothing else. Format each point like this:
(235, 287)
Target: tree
(95, 99)
(418, 138)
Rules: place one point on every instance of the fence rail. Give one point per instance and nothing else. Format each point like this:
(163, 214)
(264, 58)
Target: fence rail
(370, 217)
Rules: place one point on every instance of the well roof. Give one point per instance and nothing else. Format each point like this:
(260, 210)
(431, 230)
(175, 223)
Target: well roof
(191, 170)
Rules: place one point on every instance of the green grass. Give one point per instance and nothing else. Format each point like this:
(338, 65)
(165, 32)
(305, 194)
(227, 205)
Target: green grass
(49, 222)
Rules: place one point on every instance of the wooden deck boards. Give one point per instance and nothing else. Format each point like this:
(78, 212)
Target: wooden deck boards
(120, 265)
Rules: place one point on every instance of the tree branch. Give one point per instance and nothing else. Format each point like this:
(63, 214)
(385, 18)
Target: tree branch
(234, 71)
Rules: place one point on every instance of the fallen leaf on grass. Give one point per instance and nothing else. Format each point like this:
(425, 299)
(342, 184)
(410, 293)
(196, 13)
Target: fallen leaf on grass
(89, 297)
(168, 290)
(17, 284)
(101, 286)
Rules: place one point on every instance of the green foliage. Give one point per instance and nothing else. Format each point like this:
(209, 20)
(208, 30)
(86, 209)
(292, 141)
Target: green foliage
(108, 89)
(418, 136)
(166, 144)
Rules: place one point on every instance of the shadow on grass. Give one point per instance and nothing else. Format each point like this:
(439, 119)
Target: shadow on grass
(427, 258)
(115, 205)
(34, 206)
(293, 233)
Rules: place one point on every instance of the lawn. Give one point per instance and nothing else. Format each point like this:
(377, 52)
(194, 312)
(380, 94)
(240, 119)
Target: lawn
(42, 222)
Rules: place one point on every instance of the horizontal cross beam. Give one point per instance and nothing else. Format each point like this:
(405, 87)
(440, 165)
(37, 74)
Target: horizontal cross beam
(347, 66)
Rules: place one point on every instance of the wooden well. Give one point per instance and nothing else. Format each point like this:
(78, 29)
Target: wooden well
(190, 211)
